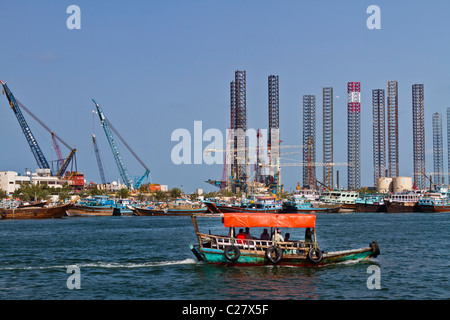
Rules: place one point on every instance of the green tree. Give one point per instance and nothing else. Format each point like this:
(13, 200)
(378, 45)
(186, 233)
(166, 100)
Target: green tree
(3, 194)
(193, 196)
(123, 193)
(211, 194)
(160, 195)
(175, 193)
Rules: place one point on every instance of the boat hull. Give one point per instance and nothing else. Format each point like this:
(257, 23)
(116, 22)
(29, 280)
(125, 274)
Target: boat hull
(400, 207)
(56, 212)
(90, 211)
(433, 208)
(249, 258)
(368, 207)
(169, 212)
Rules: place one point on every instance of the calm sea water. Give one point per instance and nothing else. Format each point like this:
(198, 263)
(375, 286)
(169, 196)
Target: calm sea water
(136, 258)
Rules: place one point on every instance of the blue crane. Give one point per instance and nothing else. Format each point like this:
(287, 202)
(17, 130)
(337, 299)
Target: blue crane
(108, 128)
(37, 152)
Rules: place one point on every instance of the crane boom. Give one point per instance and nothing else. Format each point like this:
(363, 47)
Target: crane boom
(99, 160)
(115, 150)
(63, 168)
(58, 150)
(34, 146)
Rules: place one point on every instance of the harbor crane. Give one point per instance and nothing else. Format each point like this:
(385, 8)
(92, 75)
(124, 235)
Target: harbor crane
(108, 128)
(42, 162)
(99, 160)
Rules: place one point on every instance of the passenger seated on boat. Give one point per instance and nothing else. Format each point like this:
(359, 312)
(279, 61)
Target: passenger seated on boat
(247, 234)
(265, 235)
(308, 236)
(287, 237)
(241, 235)
(277, 237)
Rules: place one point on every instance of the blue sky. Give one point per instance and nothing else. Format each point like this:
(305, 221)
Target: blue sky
(156, 66)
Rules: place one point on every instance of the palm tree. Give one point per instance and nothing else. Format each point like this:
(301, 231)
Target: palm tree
(160, 195)
(3, 194)
(123, 193)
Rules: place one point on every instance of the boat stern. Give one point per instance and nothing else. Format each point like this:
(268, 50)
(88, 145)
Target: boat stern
(196, 252)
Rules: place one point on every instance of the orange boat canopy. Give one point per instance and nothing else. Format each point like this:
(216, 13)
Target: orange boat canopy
(254, 220)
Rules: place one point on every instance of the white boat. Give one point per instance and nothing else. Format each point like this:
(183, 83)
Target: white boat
(346, 199)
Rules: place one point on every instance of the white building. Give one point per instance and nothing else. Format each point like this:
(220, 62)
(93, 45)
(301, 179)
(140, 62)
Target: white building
(11, 180)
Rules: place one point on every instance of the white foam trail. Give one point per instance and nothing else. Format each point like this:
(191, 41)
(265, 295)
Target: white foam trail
(105, 265)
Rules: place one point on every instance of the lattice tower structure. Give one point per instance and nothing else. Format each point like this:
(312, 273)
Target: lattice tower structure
(438, 152)
(309, 140)
(392, 128)
(418, 110)
(273, 144)
(379, 134)
(240, 128)
(448, 141)
(354, 135)
(327, 135)
(231, 149)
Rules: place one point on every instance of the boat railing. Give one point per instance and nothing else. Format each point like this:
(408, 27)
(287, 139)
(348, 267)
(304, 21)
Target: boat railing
(221, 242)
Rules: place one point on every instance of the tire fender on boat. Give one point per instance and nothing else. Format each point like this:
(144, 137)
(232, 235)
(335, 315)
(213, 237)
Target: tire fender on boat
(278, 254)
(232, 253)
(315, 259)
(375, 248)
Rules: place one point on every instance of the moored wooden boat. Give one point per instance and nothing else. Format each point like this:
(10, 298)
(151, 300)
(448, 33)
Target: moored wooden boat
(370, 203)
(401, 207)
(165, 212)
(39, 204)
(35, 212)
(432, 204)
(233, 251)
(215, 208)
(84, 210)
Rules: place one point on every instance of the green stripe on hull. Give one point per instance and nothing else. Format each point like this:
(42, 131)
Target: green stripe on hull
(216, 256)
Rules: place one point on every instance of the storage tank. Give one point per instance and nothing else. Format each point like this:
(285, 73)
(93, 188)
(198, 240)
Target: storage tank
(400, 184)
(384, 185)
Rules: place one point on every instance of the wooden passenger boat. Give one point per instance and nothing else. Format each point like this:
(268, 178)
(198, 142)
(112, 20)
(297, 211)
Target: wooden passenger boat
(232, 251)
(432, 204)
(165, 212)
(35, 212)
(214, 208)
(402, 202)
(83, 210)
(370, 203)
(299, 204)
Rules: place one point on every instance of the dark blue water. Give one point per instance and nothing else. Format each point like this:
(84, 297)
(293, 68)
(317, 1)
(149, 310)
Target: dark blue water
(149, 258)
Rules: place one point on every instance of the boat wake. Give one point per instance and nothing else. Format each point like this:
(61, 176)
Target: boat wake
(104, 265)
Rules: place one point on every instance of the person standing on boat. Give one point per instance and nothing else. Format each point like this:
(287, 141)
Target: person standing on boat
(277, 237)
